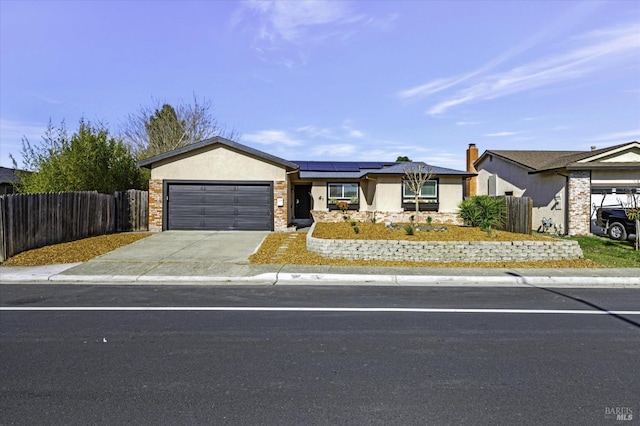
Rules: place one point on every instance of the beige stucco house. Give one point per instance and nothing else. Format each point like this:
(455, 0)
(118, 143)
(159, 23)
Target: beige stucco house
(219, 184)
(566, 186)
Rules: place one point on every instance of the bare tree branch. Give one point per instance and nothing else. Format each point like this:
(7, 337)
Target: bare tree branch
(160, 127)
(415, 176)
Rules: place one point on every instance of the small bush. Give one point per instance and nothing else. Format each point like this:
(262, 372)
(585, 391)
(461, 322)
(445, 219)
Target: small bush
(353, 223)
(429, 220)
(409, 229)
(356, 229)
(483, 212)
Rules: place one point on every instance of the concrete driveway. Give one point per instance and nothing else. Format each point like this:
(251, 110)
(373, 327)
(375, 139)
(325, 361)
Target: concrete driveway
(180, 253)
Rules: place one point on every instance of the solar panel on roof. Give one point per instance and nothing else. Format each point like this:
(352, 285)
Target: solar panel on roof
(345, 167)
(320, 166)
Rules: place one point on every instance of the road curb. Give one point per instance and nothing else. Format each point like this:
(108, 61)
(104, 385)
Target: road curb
(332, 280)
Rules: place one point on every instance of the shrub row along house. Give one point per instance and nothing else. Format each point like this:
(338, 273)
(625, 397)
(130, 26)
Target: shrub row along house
(218, 184)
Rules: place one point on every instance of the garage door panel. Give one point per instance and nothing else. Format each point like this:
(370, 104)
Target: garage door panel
(253, 211)
(220, 206)
(253, 201)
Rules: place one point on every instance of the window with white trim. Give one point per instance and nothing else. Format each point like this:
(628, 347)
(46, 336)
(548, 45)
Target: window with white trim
(429, 191)
(343, 191)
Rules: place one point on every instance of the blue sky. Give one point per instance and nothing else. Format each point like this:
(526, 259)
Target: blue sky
(336, 80)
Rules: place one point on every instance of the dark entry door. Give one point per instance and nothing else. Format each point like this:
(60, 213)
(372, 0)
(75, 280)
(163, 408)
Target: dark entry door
(303, 201)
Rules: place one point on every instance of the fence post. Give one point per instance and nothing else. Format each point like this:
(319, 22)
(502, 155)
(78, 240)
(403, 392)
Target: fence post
(3, 224)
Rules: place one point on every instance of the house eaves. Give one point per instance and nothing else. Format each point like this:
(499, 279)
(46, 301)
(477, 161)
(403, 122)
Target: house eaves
(582, 160)
(148, 162)
(547, 161)
(532, 161)
(399, 168)
(335, 170)
(9, 177)
(604, 166)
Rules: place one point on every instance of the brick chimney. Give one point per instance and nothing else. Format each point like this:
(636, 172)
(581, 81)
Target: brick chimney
(471, 183)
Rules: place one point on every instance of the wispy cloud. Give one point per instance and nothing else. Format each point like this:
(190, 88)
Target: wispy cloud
(333, 151)
(272, 137)
(620, 137)
(500, 134)
(606, 48)
(15, 130)
(11, 134)
(302, 21)
(345, 132)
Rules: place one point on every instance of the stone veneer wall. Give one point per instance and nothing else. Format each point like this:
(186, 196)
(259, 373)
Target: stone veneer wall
(382, 217)
(444, 251)
(280, 214)
(155, 205)
(579, 203)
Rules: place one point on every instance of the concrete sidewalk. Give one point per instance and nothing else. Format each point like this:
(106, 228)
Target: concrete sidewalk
(204, 273)
(222, 258)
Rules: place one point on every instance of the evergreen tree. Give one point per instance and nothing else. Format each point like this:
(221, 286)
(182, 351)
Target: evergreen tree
(89, 160)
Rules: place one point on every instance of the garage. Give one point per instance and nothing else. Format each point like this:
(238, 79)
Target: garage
(217, 206)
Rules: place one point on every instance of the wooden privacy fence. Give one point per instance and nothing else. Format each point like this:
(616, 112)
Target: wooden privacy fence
(36, 220)
(519, 216)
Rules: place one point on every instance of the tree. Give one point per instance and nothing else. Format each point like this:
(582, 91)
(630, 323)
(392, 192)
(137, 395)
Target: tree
(403, 158)
(89, 160)
(415, 176)
(160, 128)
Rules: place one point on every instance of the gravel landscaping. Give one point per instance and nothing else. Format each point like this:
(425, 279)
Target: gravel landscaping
(74, 251)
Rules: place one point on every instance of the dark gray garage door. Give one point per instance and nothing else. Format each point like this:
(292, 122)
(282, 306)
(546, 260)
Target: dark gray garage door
(219, 206)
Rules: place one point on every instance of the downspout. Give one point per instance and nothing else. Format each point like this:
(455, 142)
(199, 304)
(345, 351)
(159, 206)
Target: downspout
(566, 202)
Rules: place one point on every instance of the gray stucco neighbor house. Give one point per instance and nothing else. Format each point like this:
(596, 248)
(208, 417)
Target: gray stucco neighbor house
(566, 186)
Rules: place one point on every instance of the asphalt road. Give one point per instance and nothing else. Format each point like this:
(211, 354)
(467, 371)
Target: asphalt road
(368, 355)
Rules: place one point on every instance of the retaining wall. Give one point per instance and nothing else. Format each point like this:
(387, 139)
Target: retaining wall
(444, 251)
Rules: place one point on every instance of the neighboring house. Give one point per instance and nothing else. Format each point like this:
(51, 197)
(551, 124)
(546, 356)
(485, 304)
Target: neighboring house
(566, 186)
(219, 184)
(8, 179)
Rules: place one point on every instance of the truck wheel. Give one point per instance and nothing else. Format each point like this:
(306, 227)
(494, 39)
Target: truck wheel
(617, 232)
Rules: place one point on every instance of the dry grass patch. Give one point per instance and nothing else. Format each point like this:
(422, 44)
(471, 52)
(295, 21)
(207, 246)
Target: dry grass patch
(74, 251)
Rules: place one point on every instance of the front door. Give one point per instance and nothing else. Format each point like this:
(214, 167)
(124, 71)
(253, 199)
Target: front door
(303, 201)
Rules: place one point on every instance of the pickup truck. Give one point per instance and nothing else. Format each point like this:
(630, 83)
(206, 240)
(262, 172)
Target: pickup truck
(616, 224)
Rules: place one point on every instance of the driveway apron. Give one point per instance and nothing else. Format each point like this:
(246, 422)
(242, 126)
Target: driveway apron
(180, 253)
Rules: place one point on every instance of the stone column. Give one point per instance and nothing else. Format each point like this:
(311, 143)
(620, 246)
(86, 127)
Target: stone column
(155, 205)
(280, 214)
(579, 203)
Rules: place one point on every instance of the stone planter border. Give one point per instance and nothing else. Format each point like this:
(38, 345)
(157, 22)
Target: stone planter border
(444, 251)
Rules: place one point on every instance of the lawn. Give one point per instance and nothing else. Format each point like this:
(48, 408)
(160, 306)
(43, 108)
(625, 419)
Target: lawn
(609, 253)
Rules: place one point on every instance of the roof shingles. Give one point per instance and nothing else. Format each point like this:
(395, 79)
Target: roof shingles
(539, 161)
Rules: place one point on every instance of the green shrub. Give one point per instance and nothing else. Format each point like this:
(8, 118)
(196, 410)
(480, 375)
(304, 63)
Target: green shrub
(356, 229)
(409, 229)
(483, 212)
